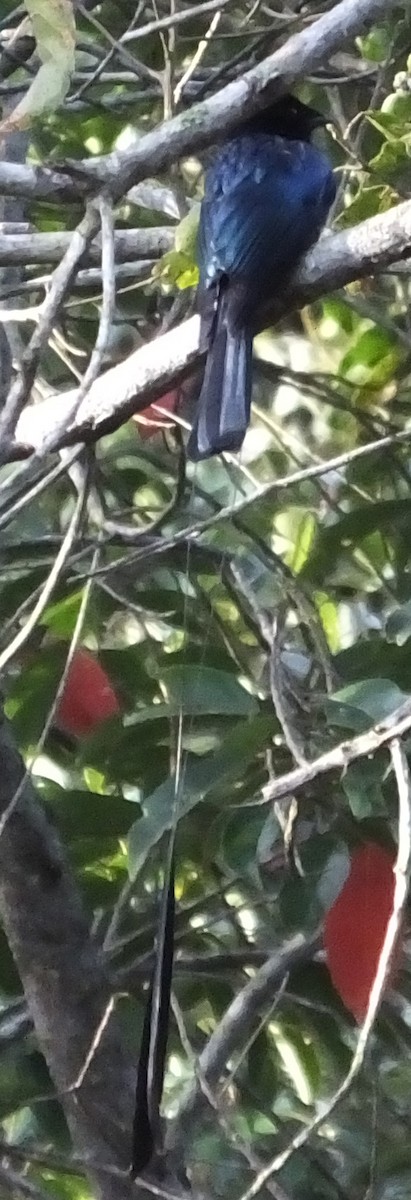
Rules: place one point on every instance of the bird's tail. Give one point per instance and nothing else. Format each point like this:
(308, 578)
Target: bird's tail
(224, 404)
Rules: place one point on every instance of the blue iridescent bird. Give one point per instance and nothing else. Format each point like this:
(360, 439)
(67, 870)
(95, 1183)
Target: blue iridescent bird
(267, 196)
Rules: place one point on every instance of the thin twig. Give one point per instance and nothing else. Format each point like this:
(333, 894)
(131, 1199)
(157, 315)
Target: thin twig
(197, 57)
(270, 489)
(109, 296)
(174, 19)
(47, 591)
(240, 1017)
(339, 758)
(62, 278)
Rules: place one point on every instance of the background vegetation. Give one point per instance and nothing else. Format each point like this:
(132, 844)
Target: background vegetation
(236, 654)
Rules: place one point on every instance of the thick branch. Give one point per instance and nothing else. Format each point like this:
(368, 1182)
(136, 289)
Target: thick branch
(148, 372)
(271, 78)
(31, 248)
(41, 183)
(62, 975)
(198, 128)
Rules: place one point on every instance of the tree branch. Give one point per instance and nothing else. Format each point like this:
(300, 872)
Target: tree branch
(257, 88)
(63, 977)
(238, 1020)
(147, 373)
(339, 758)
(196, 129)
(31, 248)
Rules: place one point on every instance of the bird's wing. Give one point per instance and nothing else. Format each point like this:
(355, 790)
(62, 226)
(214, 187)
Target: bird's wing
(265, 213)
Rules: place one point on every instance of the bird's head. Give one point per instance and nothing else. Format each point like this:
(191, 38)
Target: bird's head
(289, 118)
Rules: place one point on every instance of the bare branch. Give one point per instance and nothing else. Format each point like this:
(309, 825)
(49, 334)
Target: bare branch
(31, 248)
(199, 127)
(148, 372)
(342, 755)
(257, 88)
(57, 569)
(62, 278)
(174, 19)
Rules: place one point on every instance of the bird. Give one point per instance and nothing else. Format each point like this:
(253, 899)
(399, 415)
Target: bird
(267, 195)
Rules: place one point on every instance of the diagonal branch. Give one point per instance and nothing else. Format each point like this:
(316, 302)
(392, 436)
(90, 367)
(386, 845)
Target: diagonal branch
(339, 758)
(147, 373)
(239, 1018)
(264, 83)
(194, 130)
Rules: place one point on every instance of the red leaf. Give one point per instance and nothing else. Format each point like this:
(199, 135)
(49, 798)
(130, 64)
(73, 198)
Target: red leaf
(150, 420)
(88, 697)
(356, 924)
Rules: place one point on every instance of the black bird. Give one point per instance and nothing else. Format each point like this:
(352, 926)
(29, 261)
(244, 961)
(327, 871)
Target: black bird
(267, 195)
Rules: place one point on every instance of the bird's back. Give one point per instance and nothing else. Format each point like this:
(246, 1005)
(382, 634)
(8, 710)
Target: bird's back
(266, 200)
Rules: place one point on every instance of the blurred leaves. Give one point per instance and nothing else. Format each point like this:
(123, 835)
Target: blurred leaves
(320, 568)
(52, 22)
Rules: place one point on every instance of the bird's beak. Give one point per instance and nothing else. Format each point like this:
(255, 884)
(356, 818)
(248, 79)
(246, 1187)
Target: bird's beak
(319, 120)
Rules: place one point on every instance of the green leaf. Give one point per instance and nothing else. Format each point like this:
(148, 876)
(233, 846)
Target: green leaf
(23, 1076)
(263, 1070)
(364, 703)
(176, 268)
(367, 202)
(362, 785)
(195, 690)
(393, 159)
(396, 1084)
(299, 1061)
(86, 815)
(373, 359)
(390, 516)
(375, 658)
(333, 876)
(240, 841)
(198, 780)
(55, 32)
(298, 904)
(398, 106)
(187, 232)
(376, 45)
(61, 617)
